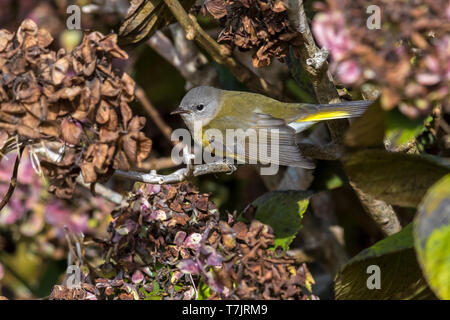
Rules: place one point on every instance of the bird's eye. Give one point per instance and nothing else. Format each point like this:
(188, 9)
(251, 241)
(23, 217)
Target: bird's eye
(200, 107)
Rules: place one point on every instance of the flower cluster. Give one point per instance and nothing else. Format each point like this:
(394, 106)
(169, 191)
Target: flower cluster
(252, 24)
(408, 57)
(32, 213)
(171, 241)
(77, 100)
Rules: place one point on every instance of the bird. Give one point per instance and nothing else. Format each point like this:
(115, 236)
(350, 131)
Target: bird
(207, 109)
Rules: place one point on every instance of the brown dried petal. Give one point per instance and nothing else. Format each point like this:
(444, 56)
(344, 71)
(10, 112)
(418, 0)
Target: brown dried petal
(113, 120)
(107, 136)
(88, 172)
(44, 38)
(110, 89)
(59, 71)
(51, 129)
(128, 85)
(103, 113)
(217, 8)
(28, 27)
(5, 39)
(71, 132)
(121, 162)
(13, 108)
(126, 112)
(28, 92)
(69, 93)
(28, 132)
(109, 44)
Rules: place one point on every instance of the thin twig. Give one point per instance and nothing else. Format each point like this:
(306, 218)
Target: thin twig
(13, 182)
(153, 113)
(104, 192)
(158, 164)
(185, 57)
(100, 189)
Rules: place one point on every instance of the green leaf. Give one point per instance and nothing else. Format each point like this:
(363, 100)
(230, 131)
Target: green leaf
(400, 129)
(283, 211)
(204, 292)
(156, 294)
(400, 274)
(397, 178)
(328, 175)
(432, 237)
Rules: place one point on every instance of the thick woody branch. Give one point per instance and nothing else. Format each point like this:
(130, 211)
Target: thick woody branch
(220, 53)
(311, 59)
(382, 213)
(330, 151)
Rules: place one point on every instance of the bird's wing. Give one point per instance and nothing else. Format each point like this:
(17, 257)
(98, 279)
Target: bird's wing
(266, 140)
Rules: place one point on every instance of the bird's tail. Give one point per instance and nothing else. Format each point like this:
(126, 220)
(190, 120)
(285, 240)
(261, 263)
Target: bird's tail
(320, 112)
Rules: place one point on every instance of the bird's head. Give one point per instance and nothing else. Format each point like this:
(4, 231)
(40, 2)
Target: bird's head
(200, 104)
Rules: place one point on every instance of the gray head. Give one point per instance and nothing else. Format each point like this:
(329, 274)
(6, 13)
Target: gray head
(199, 104)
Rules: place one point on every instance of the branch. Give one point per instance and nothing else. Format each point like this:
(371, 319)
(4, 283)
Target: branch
(326, 92)
(185, 57)
(153, 113)
(13, 182)
(158, 164)
(221, 54)
(318, 72)
(382, 213)
(152, 177)
(104, 192)
(179, 175)
(330, 151)
(99, 189)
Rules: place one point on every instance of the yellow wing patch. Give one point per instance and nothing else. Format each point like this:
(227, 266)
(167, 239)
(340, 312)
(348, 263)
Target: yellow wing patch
(325, 115)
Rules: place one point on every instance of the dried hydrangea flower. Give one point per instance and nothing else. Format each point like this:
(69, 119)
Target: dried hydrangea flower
(75, 99)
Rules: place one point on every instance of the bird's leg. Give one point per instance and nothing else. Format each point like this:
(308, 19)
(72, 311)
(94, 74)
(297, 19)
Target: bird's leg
(188, 157)
(230, 165)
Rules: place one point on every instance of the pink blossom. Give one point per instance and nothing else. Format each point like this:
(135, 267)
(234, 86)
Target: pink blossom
(331, 33)
(153, 188)
(60, 217)
(12, 213)
(188, 266)
(137, 277)
(348, 71)
(428, 79)
(443, 50)
(193, 241)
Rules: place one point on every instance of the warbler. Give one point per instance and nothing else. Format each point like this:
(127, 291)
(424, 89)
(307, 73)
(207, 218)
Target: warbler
(206, 108)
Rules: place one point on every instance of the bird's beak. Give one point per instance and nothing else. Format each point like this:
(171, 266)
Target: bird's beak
(180, 111)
